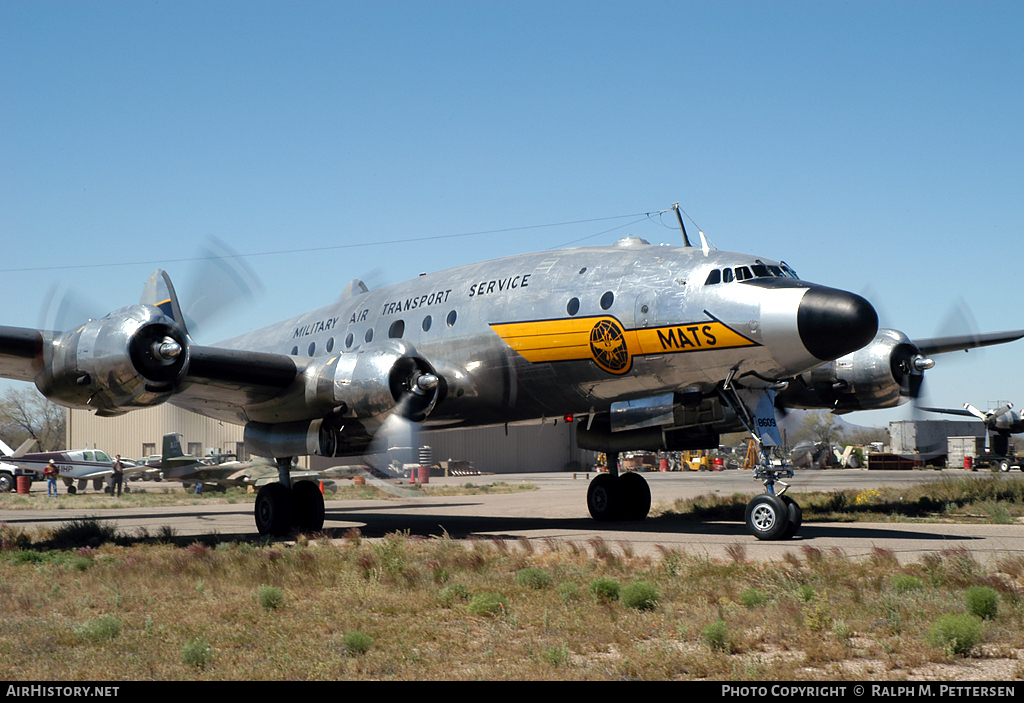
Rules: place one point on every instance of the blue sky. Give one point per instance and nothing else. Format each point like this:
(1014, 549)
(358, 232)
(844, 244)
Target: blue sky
(875, 146)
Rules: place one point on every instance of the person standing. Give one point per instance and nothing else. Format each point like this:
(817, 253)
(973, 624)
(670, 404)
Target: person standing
(117, 476)
(50, 473)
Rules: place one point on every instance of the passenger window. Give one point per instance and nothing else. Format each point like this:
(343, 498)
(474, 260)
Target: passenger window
(397, 329)
(348, 340)
(573, 307)
(714, 277)
(295, 351)
(368, 336)
(452, 317)
(330, 345)
(426, 323)
(312, 348)
(726, 275)
(607, 299)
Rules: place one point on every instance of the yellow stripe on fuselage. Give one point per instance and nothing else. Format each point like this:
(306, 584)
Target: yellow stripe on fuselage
(578, 339)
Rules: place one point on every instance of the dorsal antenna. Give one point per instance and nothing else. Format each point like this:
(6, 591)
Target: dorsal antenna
(686, 240)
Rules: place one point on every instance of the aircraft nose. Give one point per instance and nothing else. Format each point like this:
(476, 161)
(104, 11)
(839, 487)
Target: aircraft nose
(833, 323)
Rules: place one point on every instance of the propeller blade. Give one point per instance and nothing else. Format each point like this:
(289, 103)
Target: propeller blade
(220, 281)
(977, 413)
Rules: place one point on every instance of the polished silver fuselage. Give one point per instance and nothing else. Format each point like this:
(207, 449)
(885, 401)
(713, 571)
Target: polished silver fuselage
(450, 318)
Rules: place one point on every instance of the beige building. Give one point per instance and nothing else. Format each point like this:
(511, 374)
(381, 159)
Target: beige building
(138, 434)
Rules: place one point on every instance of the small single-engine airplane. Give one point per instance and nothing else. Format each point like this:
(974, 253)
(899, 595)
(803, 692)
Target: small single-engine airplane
(75, 465)
(646, 347)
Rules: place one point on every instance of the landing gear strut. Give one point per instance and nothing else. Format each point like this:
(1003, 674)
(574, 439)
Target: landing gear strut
(614, 497)
(771, 515)
(281, 508)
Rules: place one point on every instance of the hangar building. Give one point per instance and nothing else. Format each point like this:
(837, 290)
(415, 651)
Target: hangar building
(138, 434)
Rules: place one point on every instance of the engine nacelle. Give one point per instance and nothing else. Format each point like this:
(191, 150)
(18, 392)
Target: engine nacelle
(883, 374)
(353, 394)
(133, 358)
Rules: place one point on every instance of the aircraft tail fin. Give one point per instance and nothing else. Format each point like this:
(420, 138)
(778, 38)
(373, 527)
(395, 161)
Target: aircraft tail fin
(159, 292)
(5, 449)
(23, 448)
(172, 447)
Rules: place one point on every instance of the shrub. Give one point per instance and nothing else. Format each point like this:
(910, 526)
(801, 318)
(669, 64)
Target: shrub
(487, 604)
(270, 597)
(904, 583)
(197, 653)
(982, 601)
(556, 656)
(103, 628)
(716, 636)
(753, 597)
(957, 633)
(449, 594)
(535, 578)
(605, 589)
(357, 642)
(640, 595)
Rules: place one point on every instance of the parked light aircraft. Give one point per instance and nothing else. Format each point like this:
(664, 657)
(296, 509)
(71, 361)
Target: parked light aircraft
(645, 347)
(999, 425)
(220, 471)
(75, 465)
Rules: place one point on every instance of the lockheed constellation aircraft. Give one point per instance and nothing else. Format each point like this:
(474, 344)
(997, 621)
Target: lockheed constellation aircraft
(646, 347)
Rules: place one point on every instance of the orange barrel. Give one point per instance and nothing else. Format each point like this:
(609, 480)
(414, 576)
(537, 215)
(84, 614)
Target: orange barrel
(663, 464)
(358, 481)
(967, 463)
(424, 474)
(24, 484)
(719, 463)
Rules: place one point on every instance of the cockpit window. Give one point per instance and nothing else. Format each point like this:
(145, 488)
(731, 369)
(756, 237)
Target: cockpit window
(789, 271)
(727, 276)
(743, 273)
(760, 270)
(714, 277)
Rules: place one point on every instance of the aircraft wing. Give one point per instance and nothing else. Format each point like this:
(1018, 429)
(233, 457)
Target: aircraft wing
(21, 352)
(225, 379)
(940, 345)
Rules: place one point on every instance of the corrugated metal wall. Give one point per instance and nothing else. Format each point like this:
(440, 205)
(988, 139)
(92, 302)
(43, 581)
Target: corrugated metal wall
(126, 435)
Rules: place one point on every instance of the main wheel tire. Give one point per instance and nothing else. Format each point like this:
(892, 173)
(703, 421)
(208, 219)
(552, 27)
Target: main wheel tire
(767, 517)
(273, 510)
(796, 517)
(603, 499)
(636, 495)
(7, 482)
(1004, 466)
(307, 507)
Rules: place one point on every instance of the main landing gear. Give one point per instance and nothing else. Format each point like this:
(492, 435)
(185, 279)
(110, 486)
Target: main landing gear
(612, 496)
(282, 508)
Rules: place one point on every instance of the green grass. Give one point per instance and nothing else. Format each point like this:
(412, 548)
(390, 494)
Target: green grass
(995, 499)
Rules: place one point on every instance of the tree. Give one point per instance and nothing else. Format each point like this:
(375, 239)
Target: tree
(821, 426)
(27, 413)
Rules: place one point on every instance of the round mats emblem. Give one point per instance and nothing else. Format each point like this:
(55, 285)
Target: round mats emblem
(608, 346)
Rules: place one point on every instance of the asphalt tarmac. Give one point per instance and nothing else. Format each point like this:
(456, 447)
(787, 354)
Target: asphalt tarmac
(557, 513)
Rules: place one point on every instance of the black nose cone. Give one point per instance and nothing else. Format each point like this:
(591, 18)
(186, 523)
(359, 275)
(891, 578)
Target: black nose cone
(833, 323)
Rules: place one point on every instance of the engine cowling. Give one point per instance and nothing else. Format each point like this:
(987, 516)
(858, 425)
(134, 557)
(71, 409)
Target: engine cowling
(883, 374)
(133, 358)
(352, 395)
